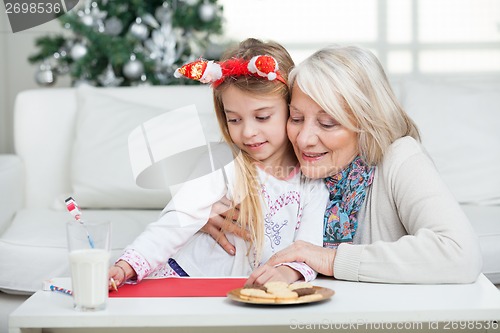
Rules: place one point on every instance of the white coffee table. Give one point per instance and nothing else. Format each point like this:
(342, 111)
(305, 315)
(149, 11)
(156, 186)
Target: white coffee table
(355, 305)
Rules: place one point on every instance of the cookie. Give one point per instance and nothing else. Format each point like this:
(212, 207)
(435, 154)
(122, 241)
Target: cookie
(300, 284)
(252, 292)
(255, 286)
(261, 300)
(276, 284)
(283, 294)
(278, 288)
(305, 291)
(280, 292)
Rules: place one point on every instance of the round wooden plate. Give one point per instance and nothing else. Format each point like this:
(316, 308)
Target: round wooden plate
(326, 293)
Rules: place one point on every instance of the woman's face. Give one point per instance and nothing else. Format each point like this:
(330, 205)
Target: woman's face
(323, 146)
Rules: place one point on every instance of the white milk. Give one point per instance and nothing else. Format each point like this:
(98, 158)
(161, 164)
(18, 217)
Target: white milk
(89, 277)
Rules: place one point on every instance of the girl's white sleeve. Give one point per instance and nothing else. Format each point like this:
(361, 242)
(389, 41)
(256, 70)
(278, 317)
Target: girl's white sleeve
(185, 214)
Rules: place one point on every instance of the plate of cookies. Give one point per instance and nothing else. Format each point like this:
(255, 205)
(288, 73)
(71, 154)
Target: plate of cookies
(281, 293)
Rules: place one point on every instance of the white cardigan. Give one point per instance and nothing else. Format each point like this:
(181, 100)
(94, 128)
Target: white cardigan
(410, 227)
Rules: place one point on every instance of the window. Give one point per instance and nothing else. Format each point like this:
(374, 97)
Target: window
(410, 37)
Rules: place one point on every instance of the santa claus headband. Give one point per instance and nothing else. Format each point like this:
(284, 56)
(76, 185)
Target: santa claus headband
(216, 72)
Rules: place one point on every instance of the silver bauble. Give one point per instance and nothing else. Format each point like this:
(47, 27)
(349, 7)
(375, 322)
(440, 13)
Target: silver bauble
(164, 13)
(87, 20)
(45, 76)
(78, 51)
(139, 30)
(207, 12)
(133, 69)
(108, 78)
(113, 26)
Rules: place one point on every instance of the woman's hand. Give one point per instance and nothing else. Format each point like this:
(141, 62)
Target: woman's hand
(120, 272)
(217, 222)
(318, 258)
(266, 273)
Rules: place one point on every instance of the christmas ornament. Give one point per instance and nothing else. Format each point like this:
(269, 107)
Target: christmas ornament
(164, 13)
(78, 51)
(133, 69)
(150, 20)
(113, 26)
(139, 30)
(207, 12)
(45, 76)
(92, 16)
(86, 18)
(162, 47)
(108, 78)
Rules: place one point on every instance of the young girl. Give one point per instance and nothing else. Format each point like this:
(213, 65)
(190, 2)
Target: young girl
(277, 205)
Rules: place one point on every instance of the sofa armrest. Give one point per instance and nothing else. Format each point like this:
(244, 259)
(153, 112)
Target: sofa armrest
(11, 188)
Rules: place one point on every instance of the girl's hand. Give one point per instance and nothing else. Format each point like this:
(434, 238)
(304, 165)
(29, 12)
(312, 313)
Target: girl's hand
(120, 272)
(266, 273)
(217, 222)
(318, 258)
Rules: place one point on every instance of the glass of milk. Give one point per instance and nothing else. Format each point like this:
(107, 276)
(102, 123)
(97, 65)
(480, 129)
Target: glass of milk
(89, 255)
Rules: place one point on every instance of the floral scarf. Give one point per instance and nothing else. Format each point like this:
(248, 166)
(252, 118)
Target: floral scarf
(347, 193)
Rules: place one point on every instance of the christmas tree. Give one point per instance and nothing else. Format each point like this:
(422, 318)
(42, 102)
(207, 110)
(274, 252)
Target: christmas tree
(128, 42)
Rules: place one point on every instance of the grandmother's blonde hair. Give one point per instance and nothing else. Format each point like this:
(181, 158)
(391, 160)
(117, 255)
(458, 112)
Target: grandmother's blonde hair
(247, 191)
(349, 83)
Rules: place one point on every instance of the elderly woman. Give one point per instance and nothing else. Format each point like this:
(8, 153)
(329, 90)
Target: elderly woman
(390, 217)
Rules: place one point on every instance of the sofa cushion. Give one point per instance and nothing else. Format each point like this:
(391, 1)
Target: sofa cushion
(486, 222)
(33, 251)
(11, 188)
(101, 174)
(458, 130)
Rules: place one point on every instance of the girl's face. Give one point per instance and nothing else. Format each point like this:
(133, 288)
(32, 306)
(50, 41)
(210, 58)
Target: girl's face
(257, 124)
(323, 146)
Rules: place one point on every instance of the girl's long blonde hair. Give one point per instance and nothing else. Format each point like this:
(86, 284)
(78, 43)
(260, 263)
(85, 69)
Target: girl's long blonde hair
(247, 192)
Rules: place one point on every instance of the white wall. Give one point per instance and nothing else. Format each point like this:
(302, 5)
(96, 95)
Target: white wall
(15, 71)
(410, 37)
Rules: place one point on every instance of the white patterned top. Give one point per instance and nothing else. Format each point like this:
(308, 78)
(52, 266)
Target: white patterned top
(293, 210)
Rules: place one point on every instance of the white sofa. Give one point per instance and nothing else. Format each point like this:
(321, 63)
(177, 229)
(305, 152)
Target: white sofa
(73, 141)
